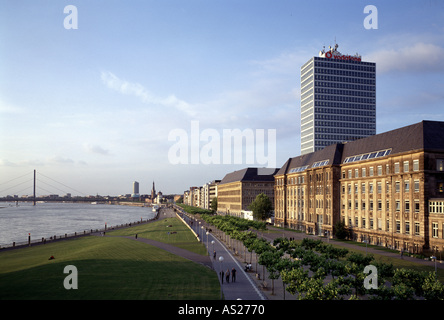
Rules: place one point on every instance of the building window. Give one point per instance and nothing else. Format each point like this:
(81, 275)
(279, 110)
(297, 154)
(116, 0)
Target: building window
(416, 185)
(407, 227)
(415, 165)
(370, 187)
(398, 226)
(363, 187)
(398, 205)
(407, 206)
(396, 167)
(379, 187)
(387, 225)
(434, 229)
(379, 170)
(417, 228)
(356, 173)
(397, 186)
(363, 223)
(406, 166)
(406, 186)
(371, 172)
(349, 174)
(379, 205)
(440, 165)
(416, 205)
(387, 169)
(364, 172)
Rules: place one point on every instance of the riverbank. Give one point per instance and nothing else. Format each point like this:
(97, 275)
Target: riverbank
(65, 236)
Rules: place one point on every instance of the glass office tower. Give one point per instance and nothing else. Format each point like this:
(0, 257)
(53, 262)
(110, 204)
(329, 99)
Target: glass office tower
(338, 99)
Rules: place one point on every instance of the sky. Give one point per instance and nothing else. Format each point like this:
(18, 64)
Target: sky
(120, 91)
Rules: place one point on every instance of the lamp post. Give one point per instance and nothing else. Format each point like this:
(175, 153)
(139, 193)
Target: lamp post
(434, 257)
(221, 259)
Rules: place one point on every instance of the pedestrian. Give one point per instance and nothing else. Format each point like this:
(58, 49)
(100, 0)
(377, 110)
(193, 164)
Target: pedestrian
(233, 275)
(227, 276)
(214, 255)
(221, 276)
(136, 235)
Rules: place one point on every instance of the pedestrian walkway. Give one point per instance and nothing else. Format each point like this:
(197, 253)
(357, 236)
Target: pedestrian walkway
(243, 288)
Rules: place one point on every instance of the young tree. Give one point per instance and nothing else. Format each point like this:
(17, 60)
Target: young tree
(214, 205)
(261, 207)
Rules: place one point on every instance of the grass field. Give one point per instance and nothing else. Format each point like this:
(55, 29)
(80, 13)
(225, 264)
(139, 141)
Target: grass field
(109, 268)
(182, 238)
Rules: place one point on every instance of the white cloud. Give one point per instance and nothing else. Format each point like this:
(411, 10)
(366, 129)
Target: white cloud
(95, 149)
(419, 57)
(137, 90)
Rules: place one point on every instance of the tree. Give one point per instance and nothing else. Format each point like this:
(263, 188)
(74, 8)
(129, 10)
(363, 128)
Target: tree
(214, 204)
(341, 231)
(261, 207)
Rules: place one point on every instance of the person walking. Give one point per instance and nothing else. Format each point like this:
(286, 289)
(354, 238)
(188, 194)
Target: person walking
(214, 255)
(233, 275)
(227, 276)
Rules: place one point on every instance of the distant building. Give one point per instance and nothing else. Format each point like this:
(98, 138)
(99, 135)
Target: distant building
(338, 100)
(388, 189)
(239, 189)
(135, 189)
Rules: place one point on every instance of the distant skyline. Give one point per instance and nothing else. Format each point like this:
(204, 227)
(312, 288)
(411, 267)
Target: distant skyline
(93, 107)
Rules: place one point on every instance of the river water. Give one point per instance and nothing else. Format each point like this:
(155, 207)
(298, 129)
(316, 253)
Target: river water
(45, 220)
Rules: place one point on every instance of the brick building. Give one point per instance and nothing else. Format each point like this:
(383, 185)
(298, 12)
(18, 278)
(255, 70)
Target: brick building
(388, 189)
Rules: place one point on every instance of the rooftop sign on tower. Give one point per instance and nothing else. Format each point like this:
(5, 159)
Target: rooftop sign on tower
(333, 53)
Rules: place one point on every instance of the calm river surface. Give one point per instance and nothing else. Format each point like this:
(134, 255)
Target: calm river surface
(49, 219)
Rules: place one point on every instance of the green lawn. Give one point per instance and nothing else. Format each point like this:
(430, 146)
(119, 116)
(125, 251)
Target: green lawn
(108, 268)
(183, 238)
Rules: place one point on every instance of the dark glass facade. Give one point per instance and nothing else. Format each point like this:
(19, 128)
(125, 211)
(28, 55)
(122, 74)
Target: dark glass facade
(338, 102)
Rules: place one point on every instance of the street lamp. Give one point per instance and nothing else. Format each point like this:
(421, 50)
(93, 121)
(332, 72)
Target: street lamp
(207, 239)
(221, 259)
(434, 257)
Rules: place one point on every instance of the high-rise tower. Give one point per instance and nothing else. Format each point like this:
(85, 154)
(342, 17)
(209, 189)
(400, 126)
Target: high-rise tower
(338, 99)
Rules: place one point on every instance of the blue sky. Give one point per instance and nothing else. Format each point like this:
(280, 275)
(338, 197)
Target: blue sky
(93, 107)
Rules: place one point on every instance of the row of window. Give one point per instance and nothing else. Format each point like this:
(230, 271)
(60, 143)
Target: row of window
(336, 137)
(341, 124)
(406, 187)
(379, 226)
(355, 93)
(335, 78)
(340, 85)
(344, 98)
(338, 105)
(345, 117)
(346, 73)
(341, 64)
(436, 206)
(354, 112)
(379, 168)
(379, 207)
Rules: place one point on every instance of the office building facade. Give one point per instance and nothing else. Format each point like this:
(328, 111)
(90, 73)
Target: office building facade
(238, 189)
(388, 189)
(338, 100)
